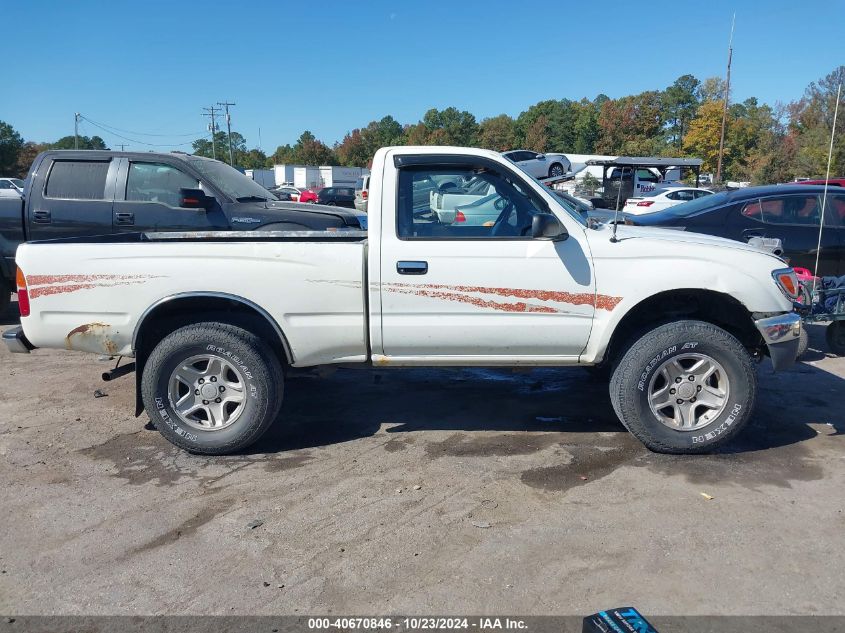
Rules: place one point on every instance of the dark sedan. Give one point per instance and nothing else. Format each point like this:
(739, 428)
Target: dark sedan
(791, 214)
(337, 196)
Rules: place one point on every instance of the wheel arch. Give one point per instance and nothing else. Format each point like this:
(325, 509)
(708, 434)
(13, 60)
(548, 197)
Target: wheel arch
(174, 311)
(712, 306)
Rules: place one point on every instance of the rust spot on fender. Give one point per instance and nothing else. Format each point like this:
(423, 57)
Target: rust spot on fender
(91, 337)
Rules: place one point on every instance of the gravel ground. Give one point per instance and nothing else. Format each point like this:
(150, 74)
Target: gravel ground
(417, 491)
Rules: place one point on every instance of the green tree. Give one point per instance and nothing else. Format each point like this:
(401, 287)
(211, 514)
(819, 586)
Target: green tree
(450, 127)
(712, 89)
(308, 150)
(69, 142)
(586, 127)
(27, 155)
(10, 148)
(560, 120)
(679, 102)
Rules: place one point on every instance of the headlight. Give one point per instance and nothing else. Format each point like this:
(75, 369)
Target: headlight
(787, 281)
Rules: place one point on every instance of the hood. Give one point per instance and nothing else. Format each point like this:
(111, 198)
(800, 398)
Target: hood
(246, 215)
(675, 236)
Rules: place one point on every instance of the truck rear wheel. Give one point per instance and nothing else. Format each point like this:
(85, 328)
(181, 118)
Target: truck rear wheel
(684, 387)
(212, 388)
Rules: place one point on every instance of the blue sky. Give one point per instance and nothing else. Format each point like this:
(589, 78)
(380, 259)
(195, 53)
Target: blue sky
(331, 66)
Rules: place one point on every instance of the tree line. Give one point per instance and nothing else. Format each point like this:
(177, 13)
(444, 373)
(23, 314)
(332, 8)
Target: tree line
(763, 143)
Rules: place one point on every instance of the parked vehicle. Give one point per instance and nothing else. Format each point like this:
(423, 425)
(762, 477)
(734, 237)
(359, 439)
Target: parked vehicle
(832, 182)
(296, 194)
(539, 165)
(335, 176)
(340, 196)
(213, 318)
(790, 214)
(663, 198)
(582, 205)
(11, 187)
(76, 193)
(362, 192)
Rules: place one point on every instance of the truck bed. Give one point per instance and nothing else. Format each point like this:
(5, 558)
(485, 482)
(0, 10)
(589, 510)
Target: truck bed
(310, 282)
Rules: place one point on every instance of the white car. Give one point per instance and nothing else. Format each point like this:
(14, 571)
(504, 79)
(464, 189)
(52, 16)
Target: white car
(539, 165)
(212, 318)
(663, 198)
(11, 187)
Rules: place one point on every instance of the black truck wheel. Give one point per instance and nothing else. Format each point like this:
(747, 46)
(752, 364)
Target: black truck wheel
(212, 388)
(684, 387)
(5, 295)
(834, 334)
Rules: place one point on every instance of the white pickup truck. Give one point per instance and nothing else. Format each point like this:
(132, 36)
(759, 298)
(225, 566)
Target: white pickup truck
(214, 319)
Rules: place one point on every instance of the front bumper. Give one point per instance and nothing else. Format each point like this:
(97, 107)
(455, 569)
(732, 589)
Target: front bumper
(16, 341)
(781, 334)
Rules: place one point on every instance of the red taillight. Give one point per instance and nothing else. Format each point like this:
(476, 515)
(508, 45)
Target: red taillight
(364, 194)
(460, 217)
(23, 294)
(645, 203)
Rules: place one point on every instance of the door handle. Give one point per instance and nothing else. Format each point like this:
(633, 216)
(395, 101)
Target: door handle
(42, 217)
(125, 217)
(412, 268)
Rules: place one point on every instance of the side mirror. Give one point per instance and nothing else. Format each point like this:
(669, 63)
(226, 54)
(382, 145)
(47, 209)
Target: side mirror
(194, 199)
(545, 226)
(541, 157)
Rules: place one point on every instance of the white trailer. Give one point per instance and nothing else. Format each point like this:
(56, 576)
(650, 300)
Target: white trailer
(264, 177)
(306, 177)
(284, 174)
(332, 176)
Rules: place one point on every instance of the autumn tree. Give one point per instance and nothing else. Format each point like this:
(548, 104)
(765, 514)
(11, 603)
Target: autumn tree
(497, 133)
(702, 139)
(537, 135)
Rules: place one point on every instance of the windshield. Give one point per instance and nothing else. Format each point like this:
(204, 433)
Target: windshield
(17, 182)
(694, 206)
(567, 206)
(229, 180)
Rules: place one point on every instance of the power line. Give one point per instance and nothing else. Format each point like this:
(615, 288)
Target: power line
(111, 127)
(132, 140)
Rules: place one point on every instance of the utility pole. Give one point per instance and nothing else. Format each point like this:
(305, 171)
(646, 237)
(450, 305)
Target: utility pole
(212, 113)
(225, 105)
(76, 116)
(725, 107)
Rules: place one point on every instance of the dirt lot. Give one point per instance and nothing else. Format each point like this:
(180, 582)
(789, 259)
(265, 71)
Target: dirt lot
(417, 491)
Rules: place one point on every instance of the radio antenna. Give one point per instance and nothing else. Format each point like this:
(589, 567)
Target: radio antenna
(827, 180)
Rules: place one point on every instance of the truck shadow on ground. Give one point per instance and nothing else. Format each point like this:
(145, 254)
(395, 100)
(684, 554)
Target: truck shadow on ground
(566, 403)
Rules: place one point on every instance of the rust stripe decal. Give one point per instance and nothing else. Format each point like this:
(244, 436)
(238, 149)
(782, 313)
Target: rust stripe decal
(459, 293)
(47, 285)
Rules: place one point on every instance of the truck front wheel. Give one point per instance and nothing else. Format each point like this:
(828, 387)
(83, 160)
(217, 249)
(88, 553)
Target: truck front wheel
(684, 387)
(212, 388)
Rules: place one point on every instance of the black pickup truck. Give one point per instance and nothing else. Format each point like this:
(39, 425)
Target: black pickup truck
(74, 193)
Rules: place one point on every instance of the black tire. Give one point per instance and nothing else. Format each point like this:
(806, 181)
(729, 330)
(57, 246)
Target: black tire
(834, 334)
(803, 342)
(552, 169)
(5, 295)
(640, 372)
(260, 376)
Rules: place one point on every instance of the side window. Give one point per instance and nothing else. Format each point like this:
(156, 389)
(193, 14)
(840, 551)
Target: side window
(5, 184)
(700, 194)
(785, 210)
(157, 182)
(836, 210)
(683, 195)
(77, 180)
(646, 175)
(464, 203)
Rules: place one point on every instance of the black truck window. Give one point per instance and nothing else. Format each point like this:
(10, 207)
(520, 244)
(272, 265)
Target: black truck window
(77, 180)
(157, 182)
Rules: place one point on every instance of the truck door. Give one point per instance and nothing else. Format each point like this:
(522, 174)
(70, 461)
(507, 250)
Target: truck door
(472, 286)
(75, 198)
(147, 199)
